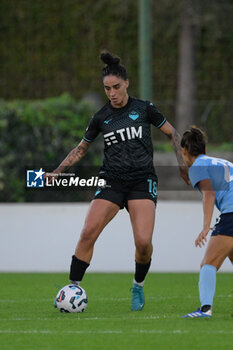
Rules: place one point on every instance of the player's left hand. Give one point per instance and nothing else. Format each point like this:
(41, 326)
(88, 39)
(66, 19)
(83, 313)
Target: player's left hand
(184, 174)
(201, 239)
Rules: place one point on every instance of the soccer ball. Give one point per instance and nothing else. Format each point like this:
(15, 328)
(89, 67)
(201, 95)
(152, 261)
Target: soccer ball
(71, 298)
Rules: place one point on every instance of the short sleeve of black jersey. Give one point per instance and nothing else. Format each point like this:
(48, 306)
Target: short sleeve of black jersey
(154, 115)
(92, 130)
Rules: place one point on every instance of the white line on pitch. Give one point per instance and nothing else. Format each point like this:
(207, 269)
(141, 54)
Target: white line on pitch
(113, 298)
(110, 331)
(83, 318)
(35, 331)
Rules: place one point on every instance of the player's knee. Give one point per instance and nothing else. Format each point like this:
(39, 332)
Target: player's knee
(211, 262)
(88, 235)
(230, 256)
(144, 248)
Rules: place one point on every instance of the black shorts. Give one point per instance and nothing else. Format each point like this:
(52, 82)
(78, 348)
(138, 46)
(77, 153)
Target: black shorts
(224, 225)
(121, 192)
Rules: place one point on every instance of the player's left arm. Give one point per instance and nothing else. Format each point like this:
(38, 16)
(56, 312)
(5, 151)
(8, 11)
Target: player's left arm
(175, 138)
(208, 207)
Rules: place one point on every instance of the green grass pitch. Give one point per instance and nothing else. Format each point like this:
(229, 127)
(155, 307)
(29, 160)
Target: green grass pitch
(28, 319)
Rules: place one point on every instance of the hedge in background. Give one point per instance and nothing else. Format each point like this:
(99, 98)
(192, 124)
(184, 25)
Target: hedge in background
(48, 47)
(36, 134)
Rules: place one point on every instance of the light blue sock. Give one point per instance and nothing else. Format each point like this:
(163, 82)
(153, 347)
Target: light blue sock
(207, 284)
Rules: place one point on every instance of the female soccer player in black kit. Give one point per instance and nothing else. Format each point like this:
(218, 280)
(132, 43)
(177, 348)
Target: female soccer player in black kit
(128, 169)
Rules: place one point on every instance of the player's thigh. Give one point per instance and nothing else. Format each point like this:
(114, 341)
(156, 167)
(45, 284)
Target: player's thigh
(142, 216)
(219, 247)
(100, 213)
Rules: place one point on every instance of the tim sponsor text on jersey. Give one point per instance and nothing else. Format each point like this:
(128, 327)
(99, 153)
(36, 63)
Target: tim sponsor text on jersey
(124, 134)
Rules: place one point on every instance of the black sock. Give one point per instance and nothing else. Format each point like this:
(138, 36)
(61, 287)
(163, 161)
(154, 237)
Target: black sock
(205, 308)
(77, 269)
(141, 271)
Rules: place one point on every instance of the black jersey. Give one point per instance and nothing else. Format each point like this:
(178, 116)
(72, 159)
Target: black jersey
(128, 151)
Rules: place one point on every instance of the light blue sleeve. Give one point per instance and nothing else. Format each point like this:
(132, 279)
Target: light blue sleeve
(198, 173)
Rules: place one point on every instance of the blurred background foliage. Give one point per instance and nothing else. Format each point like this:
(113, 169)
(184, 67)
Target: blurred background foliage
(48, 48)
(41, 134)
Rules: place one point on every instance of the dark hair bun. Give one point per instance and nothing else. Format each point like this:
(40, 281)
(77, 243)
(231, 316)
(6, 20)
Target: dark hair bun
(113, 66)
(194, 140)
(197, 134)
(108, 59)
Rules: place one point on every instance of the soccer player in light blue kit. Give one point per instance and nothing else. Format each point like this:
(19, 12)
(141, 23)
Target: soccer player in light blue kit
(214, 178)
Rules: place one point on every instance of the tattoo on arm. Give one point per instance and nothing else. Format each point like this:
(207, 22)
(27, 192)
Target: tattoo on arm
(76, 154)
(175, 138)
(73, 157)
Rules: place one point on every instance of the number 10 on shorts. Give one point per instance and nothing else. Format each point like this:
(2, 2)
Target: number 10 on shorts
(152, 187)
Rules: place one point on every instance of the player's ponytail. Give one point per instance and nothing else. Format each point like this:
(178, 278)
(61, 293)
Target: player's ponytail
(194, 140)
(113, 66)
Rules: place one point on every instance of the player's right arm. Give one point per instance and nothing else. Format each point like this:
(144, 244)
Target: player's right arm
(77, 153)
(208, 207)
(158, 120)
(74, 156)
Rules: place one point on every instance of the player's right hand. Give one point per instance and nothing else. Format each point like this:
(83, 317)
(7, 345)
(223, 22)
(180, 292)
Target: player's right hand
(201, 239)
(48, 177)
